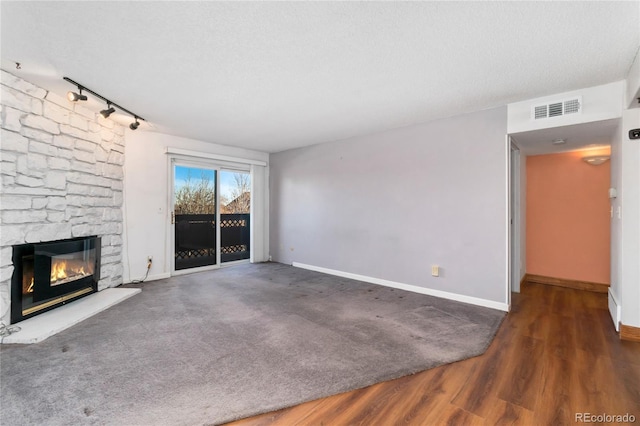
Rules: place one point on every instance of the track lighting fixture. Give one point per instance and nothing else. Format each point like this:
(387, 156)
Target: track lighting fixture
(75, 97)
(111, 106)
(107, 112)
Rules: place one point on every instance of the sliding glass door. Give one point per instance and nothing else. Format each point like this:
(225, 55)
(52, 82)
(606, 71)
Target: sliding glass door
(210, 215)
(235, 215)
(194, 217)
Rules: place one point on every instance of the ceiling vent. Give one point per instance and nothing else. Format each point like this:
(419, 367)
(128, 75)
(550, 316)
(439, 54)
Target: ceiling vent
(557, 108)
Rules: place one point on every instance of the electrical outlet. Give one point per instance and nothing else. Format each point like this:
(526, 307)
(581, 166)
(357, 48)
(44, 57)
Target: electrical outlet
(149, 261)
(435, 270)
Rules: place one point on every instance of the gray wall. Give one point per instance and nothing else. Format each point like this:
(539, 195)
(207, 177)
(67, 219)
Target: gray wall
(390, 205)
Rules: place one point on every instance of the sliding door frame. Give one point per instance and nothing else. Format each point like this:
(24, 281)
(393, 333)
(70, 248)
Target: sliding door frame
(259, 171)
(205, 163)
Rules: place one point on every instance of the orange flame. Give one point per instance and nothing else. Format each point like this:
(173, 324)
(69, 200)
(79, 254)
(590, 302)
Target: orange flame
(60, 271)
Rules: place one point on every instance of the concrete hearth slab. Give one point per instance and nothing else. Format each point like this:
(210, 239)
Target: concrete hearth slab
(38, 328)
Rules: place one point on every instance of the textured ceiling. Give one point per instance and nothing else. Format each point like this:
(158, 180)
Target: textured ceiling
(277, 75)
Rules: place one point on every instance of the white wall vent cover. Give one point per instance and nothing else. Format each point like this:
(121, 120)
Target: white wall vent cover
(557, 108)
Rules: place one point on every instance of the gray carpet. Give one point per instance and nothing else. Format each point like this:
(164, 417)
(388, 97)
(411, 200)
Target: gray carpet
(216, 346)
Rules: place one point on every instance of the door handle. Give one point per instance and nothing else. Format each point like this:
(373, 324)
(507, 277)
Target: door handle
(173, 217)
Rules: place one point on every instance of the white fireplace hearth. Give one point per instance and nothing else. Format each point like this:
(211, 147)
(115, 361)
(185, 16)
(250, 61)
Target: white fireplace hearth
(38, 328)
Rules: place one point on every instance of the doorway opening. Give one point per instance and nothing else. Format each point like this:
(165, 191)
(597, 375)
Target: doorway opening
(565, 207)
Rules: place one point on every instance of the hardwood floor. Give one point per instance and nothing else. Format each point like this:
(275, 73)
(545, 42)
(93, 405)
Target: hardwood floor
(578, 285)
(556, 354)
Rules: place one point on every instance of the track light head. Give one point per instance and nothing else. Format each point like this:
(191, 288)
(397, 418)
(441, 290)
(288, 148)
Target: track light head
(107, 112)
(134, 125)
(75, 97)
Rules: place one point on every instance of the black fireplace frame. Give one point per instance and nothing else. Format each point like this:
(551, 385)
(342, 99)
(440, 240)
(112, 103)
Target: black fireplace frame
(45, 296)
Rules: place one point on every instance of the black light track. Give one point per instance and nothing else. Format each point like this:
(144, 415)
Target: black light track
(86, 89)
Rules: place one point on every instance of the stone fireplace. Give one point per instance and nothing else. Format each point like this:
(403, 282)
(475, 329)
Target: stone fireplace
(61, 166)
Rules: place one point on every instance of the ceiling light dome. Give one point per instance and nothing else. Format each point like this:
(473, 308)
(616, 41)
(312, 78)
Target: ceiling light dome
(595, 160)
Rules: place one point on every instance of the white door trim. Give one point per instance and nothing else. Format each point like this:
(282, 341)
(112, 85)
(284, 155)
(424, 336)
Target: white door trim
(507, 296)
(514, 222)
(209, 156)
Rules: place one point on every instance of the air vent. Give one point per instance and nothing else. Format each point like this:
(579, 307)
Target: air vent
(557, 108)
(572, 106)
(540, 112)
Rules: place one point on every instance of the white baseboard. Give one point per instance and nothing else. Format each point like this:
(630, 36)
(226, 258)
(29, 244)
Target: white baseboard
(408, 287)
(158, 276)
(153, 277)
(614, 310)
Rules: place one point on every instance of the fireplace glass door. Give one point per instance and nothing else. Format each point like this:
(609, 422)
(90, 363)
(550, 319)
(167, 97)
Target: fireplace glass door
(63, 267)
(49, 274)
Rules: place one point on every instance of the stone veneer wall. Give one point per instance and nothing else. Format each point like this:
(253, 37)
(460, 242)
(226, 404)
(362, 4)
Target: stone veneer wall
(62, 177)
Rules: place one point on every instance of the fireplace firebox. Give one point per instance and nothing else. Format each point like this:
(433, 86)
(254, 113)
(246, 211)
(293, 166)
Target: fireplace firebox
(47, 275)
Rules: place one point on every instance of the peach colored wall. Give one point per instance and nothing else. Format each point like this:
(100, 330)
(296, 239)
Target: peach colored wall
(568, 229)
